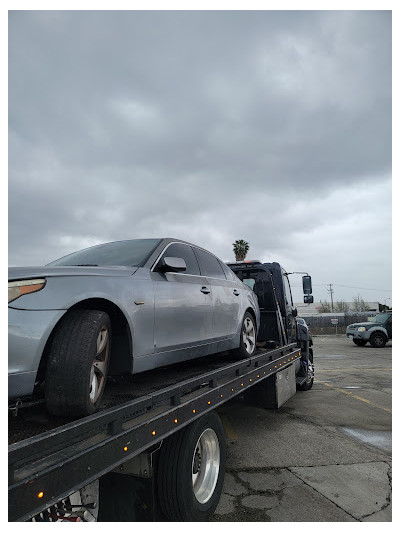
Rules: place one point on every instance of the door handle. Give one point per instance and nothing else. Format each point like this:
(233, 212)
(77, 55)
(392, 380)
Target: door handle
(205, 290)
(236, 292)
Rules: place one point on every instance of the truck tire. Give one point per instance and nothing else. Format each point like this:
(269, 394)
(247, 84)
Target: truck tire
(378, 339)
(309, 382)
(191, 470)
(248, 337)
(77, 365)
(360, 342)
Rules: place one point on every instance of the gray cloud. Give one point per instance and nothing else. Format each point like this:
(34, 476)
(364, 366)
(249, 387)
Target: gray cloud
(272, 126)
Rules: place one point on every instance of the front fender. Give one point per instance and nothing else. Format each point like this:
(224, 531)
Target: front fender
(378, 328)
(63, 293)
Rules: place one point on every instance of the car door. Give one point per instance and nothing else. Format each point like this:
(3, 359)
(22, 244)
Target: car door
(182, 303)
(388, 327)
(226, 296)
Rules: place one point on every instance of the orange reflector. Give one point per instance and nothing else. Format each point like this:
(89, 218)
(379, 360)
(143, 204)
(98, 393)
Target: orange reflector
(209, 403)
(176, 420)
(40, 495)
(125, 448)
(194, 410)
(153, 432)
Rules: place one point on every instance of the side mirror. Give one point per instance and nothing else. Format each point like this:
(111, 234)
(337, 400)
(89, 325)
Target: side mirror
(173, 264)
(294, 312)
(307, 288)
(309, 299)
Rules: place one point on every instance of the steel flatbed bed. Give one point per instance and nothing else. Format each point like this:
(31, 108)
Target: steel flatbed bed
(51, 458)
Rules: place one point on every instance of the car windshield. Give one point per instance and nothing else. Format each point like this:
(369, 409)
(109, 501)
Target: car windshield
(380, 319)
(122, 253)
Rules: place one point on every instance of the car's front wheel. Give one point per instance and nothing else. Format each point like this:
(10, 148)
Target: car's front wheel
(360, 342)
(78, 361)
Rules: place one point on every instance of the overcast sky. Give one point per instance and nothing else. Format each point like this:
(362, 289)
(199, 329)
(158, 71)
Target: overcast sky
(208, 126)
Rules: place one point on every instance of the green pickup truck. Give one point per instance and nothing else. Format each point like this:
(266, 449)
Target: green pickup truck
(377, 331)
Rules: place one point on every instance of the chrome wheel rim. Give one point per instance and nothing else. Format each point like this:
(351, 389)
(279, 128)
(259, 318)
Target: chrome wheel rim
(249, 335)
(378, 340)
(205, 466)
(99, 367)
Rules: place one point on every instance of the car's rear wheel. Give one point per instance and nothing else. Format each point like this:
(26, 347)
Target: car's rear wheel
(378, 340)
(248, 337)
(359, 342)
(78, 361)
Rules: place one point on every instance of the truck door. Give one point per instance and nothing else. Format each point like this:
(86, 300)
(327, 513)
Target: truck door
(290, 319)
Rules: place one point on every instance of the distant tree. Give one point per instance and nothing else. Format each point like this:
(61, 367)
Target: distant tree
(359, 304)
(324, 307)
(341, 306)
(240, 249)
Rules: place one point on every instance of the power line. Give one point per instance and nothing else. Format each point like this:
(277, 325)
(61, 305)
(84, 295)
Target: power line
(347, 286)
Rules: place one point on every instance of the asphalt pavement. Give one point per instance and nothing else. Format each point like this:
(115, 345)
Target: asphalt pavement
(325, 455)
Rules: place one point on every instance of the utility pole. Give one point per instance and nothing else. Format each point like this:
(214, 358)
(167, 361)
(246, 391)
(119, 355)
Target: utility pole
(331, 291)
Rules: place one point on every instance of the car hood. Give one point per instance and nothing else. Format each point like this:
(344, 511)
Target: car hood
(360, 324)
(17, 273)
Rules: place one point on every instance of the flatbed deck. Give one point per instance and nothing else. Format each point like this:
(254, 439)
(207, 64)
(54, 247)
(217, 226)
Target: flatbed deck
(61, 456)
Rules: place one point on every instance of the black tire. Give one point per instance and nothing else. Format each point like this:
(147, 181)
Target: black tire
(78, 361)
(309, 382)
(378, 339)
(359, 342)
(248, 338)
(178, 493)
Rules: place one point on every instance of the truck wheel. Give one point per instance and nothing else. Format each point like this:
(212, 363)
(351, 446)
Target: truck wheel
(248, 338)
(191, 470)
(378, 340)
(309, 382)
(359, 342)
(78, 363)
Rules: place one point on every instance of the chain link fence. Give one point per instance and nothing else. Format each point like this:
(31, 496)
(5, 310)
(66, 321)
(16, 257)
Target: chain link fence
(322, 324)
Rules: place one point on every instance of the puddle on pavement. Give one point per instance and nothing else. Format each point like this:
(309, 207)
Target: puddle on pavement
(379, 439)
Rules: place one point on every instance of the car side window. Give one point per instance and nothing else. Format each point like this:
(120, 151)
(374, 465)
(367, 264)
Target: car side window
(185, 252)
(228, 272)
(209, 264)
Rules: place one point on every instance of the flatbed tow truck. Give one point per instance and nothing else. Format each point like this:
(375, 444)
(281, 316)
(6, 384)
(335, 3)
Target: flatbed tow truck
(155, 451)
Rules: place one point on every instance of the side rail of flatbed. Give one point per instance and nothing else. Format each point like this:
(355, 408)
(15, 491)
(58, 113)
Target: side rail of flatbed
(49, 467)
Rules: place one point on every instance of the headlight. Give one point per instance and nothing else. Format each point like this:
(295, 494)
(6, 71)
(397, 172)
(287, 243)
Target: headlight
(362, 328)
(19, 288)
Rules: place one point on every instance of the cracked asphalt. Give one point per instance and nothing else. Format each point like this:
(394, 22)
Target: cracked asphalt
(325, 455)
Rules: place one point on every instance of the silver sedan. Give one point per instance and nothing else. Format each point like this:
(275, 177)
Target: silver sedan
(121, 307)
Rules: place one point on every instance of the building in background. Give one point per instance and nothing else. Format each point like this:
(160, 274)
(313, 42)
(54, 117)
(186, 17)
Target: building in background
(305, 310)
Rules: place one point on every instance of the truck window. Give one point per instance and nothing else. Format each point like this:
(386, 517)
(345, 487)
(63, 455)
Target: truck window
(288, 292)
(250, 282)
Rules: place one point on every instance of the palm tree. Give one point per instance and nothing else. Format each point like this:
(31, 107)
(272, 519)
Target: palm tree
(240, 249)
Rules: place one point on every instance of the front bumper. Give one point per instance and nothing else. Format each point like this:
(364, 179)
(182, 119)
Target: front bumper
(28, 332)
(361, 335)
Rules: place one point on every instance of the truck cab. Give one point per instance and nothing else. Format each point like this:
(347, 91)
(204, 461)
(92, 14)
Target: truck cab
(270, 283)
(278, 326)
